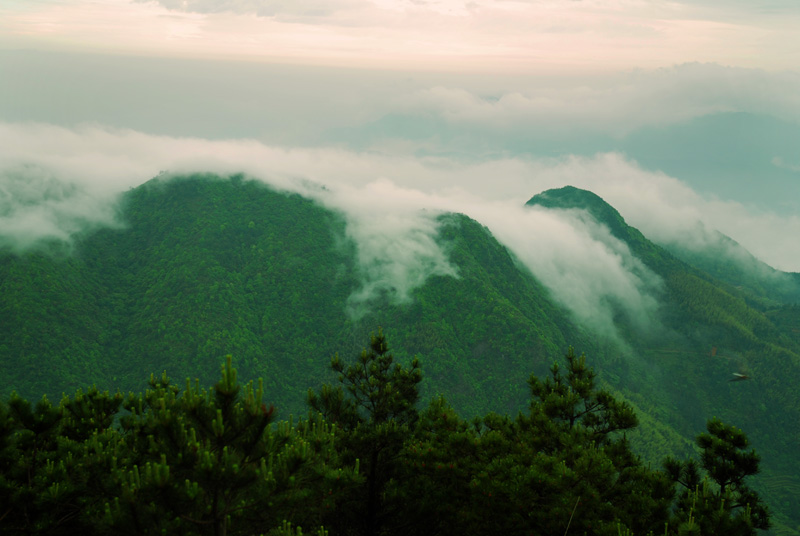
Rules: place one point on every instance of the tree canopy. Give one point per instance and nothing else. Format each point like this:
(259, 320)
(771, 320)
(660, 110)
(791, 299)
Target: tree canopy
(366, 460)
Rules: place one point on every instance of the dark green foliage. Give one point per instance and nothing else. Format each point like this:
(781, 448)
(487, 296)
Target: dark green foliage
(712, 328)
(52, 462)
(727, 261)
(204, 266)
(570, 197)
(722, 502)
(434, 479)
(572, 402)
(565, 465)
(473, 331)
(567, 455)
(380, 390)
(211, 461)
(51, 324)
(375, 406)
(190, 461)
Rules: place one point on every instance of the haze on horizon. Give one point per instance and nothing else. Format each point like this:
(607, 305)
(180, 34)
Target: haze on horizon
(678, 113)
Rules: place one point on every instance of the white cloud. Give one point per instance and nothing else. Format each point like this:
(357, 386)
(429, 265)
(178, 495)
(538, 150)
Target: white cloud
(395, 237)
(390, 204)
(618, 104)
(586, 269)
(36, 204)
(313, 106)
(667, 210)
(779, 162)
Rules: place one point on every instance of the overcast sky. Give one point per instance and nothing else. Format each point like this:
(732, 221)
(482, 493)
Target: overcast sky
(491, 35)
(676, 112)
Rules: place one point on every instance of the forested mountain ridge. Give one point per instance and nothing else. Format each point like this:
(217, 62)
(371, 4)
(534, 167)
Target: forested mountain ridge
(711, 290)
(744, 322)
(710, 253)
(747, 273)
(206, 267)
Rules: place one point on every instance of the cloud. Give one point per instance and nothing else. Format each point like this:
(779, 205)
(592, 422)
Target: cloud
(507, 36)
(430, 111)
(55, 182)
(740, 8)
(391, 204)
(395, 236)
(667, 210)
(292, 9)
(779, 162)
(587, 270)
(615, 105)
(38, 206)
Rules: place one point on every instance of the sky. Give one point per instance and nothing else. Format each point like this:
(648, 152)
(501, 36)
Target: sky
(684, 115)
(488, 35)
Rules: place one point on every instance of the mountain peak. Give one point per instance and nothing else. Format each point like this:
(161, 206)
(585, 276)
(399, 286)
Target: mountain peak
(570, 197)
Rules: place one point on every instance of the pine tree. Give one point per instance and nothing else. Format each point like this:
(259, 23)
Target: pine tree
(53, 462)
(721, 502)
(566, 463)
(211, 462)
(375, 408)
(434, 482)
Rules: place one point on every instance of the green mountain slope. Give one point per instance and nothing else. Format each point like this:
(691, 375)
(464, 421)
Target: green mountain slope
(205, 267)
(713, 328)
(726, 260)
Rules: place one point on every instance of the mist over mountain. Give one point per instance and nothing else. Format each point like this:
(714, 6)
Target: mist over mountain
(490, 182)
(719, 292)
(197, 267)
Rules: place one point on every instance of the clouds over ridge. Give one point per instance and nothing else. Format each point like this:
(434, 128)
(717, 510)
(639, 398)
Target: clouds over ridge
(36, 204)
(618, 104)
(391, 204)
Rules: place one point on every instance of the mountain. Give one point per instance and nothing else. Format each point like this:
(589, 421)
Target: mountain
(207, 266)
(742, 320)
(726, 260)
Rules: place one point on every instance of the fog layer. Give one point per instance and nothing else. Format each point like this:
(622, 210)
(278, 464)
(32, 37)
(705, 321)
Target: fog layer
(56, 181)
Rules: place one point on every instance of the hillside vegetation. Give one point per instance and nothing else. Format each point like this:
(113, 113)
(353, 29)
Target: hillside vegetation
(366, 461)
(207, 266)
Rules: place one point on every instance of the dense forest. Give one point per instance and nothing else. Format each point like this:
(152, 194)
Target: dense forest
(367, 460)
(202, 267)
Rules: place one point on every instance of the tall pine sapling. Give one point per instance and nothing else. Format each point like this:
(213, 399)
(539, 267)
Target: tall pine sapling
(721, 502)
(374, 405)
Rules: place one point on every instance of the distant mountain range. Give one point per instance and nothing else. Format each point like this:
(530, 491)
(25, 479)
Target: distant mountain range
(207, 266)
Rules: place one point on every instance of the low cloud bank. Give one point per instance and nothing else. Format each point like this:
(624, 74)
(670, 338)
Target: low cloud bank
(615, 105)
(56, 181)
(587, 270)
(395, 237)
(37, 205)
(666, 210)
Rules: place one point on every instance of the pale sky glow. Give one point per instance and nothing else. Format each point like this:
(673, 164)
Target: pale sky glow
(546, 35)
(701, 94)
